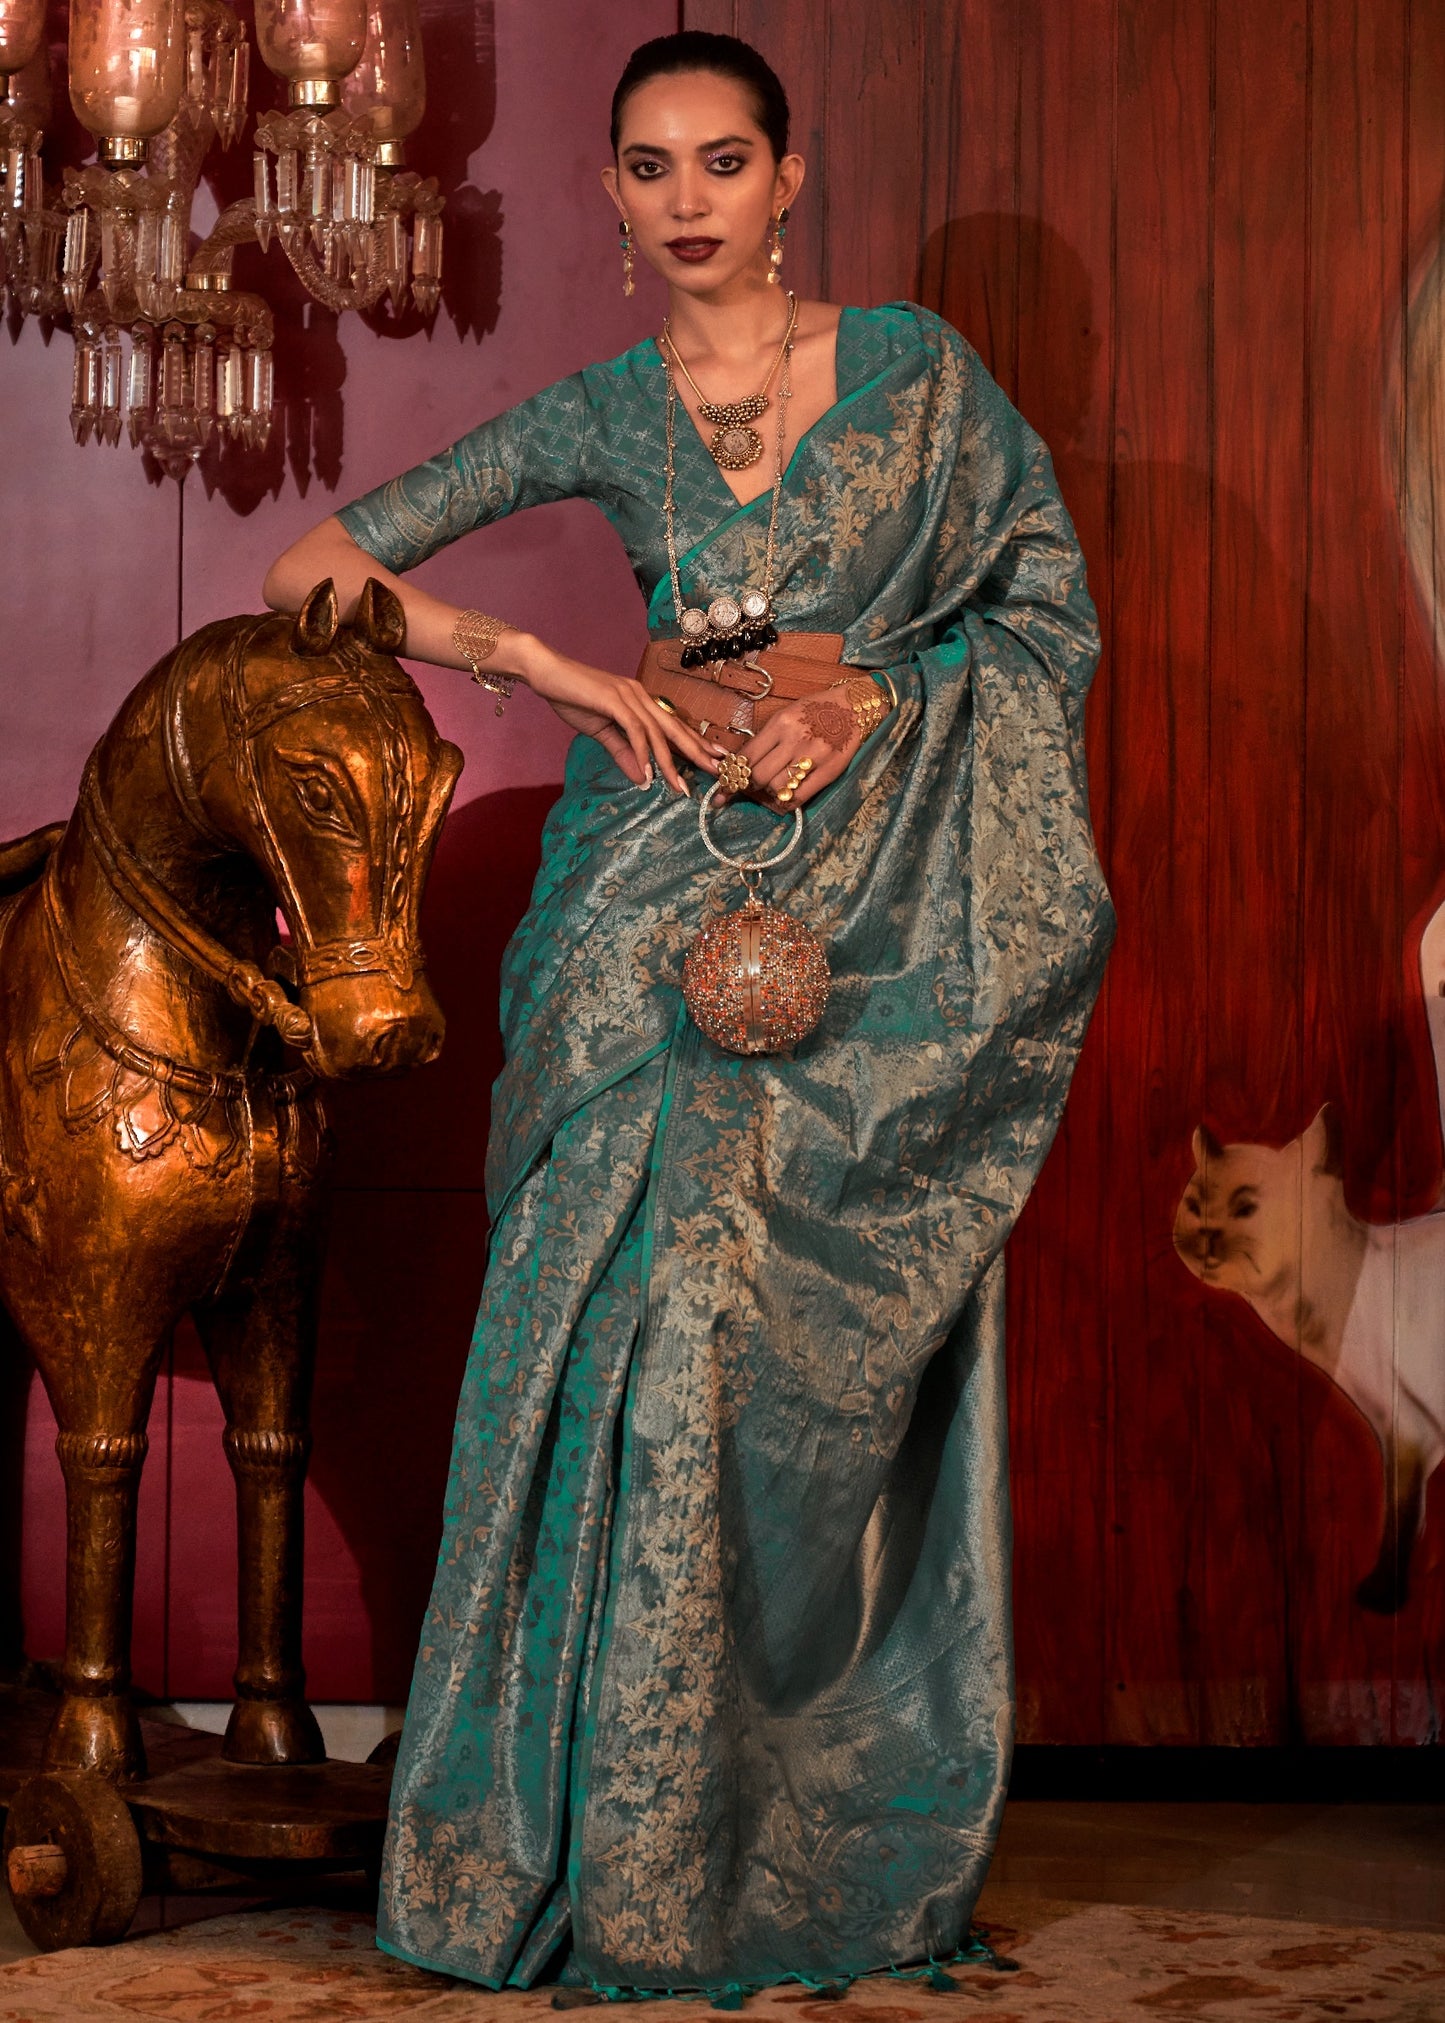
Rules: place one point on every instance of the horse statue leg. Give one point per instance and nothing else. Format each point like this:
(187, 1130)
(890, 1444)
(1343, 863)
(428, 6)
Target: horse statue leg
(101, 1400)
(95, 1726)
(261, 1349)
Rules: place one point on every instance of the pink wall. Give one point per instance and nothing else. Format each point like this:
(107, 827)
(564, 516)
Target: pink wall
(106, 568)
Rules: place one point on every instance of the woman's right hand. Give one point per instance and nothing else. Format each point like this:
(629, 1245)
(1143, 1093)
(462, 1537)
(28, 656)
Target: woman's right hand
(615, 710)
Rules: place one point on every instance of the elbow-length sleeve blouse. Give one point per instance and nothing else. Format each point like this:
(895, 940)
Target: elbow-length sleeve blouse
(532, 455)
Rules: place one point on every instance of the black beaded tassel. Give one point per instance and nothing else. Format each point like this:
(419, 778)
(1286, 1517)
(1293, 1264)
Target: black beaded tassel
(734, 645)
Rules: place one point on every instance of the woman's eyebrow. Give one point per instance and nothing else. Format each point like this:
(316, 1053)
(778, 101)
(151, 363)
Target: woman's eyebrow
(728, 140)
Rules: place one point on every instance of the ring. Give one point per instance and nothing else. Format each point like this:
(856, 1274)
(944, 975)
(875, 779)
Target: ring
(734, 774)
(797, 772)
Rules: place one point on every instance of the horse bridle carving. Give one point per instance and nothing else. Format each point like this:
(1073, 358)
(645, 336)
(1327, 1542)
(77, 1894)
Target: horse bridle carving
(394, 952)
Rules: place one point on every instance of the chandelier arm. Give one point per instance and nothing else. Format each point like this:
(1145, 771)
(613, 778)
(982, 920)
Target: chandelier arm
(317, 282)
(236, 226)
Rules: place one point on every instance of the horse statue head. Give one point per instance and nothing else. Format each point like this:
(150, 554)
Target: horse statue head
(299, 748)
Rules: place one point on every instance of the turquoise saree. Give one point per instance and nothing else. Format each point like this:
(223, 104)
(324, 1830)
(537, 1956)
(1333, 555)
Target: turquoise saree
(715, 1685)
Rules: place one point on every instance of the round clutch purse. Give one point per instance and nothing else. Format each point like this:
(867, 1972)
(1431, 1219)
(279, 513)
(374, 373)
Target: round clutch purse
(756, 981)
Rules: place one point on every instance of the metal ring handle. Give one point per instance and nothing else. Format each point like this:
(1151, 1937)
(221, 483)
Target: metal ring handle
(746, 863)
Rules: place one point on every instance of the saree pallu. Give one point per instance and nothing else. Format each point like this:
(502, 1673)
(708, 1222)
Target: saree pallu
(715, 1686)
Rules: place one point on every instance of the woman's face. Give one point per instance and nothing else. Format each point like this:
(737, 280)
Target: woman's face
(695, 176)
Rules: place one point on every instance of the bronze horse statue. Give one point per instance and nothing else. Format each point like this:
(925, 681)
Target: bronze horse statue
(162, 1140)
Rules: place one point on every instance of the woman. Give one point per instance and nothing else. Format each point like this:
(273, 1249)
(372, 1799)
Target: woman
(715, 1684)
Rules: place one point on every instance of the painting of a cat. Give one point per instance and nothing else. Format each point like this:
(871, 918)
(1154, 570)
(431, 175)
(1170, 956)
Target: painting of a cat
(1363, 1302)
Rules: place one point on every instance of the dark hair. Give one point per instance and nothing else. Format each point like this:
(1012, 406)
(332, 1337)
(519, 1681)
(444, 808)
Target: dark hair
(728, 56)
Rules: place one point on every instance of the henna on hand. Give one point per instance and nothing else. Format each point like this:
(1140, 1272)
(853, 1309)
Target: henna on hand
(829, 722)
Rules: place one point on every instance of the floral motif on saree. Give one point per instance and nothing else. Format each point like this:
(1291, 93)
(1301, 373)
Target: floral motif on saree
(716, 1681)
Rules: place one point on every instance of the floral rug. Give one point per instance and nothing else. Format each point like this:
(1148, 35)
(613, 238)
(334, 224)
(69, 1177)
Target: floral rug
(1077, 1963)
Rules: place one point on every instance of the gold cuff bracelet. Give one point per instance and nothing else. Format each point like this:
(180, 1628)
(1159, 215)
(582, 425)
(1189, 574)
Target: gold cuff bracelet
(475, 638)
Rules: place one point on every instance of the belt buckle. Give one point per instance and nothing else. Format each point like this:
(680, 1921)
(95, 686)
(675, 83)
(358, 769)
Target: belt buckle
(756, 667)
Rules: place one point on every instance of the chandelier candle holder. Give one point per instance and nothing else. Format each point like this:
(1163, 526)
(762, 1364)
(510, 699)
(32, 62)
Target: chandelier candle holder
(388, 85)
(167, 351)
(29, 233)
(127, 71)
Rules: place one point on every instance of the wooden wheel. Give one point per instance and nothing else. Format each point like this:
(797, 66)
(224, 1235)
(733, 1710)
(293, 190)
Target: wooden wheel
(385, 1751)
(72, 1860)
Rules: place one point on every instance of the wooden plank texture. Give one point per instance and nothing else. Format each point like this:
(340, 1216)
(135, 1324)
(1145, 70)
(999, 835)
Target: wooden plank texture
(1159, 735)
(1249, 1478)
(1419, 392)
(1350, 885)
(1063, 114)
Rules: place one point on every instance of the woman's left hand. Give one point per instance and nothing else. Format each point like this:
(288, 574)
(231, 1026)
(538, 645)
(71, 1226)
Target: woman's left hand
(820, 728)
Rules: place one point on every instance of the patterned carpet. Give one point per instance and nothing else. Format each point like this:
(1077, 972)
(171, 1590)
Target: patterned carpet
(1077, 1963)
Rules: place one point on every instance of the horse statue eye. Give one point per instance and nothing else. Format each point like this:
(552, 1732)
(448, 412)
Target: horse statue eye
(324, 800)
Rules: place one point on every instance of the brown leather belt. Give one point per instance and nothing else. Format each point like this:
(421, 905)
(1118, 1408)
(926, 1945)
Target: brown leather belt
(730, 699)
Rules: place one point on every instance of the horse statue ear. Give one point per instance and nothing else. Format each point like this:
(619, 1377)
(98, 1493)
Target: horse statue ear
(317, 621)
(380, 619)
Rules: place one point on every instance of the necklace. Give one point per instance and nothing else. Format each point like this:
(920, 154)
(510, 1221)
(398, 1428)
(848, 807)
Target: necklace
(735, 445)
(729, 628)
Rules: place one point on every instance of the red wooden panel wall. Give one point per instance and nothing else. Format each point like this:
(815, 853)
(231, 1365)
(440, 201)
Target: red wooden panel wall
(1185, 239)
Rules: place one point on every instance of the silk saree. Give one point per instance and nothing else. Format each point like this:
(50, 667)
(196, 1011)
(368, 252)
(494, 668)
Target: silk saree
(715, 1685)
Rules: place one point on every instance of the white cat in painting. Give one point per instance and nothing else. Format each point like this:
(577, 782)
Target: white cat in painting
(1363, 1302)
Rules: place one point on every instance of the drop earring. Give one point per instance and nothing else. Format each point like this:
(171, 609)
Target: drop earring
(779, 232)
(624, 232)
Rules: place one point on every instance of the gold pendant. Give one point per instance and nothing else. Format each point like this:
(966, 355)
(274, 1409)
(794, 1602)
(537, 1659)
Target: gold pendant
(736, 446)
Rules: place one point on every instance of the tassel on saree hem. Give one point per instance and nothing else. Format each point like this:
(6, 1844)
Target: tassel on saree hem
(728, 1995)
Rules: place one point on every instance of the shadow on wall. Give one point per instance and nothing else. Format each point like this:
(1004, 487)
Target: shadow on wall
(974, 271)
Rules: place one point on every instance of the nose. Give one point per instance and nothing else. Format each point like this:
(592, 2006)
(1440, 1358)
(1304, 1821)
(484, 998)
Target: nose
(689, 198)
(368, 1027)
(390, 1044)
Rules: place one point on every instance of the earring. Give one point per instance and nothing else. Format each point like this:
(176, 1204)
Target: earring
(624, 232)
(778, 232)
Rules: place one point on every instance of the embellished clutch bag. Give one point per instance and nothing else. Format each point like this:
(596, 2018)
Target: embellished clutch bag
(756, 981)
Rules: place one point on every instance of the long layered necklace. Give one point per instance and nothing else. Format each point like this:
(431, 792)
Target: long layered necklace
(729, 628)
(736, 444)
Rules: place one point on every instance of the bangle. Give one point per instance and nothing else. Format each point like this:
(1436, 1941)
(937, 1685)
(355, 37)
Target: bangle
(475, 638)
(865, 699)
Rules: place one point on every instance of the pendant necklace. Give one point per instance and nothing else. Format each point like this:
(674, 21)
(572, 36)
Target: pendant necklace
(729, 628)
(735, 445)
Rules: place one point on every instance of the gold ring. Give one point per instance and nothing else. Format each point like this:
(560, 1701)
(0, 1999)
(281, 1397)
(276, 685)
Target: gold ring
(734, 774)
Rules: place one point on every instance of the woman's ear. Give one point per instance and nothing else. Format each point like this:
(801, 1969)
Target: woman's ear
(609, 183)
(791, 171)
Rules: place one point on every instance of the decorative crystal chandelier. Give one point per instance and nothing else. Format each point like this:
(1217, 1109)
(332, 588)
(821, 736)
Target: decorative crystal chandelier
(165, 347)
